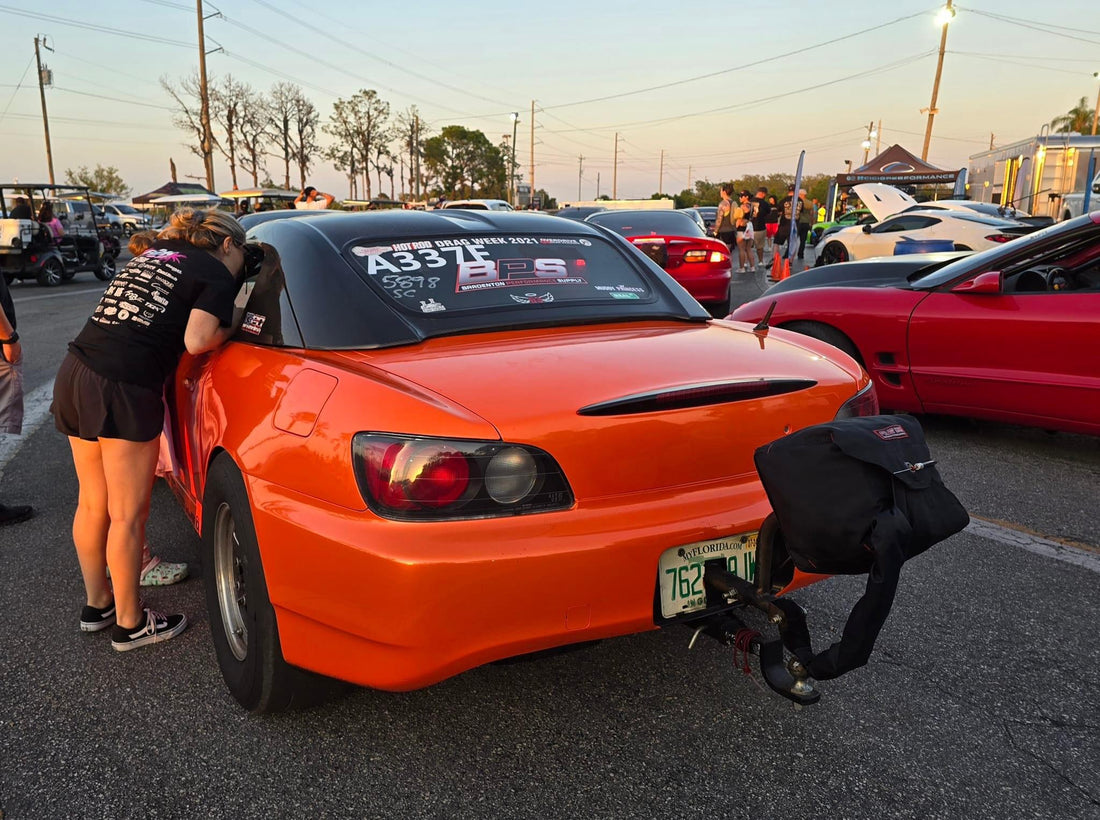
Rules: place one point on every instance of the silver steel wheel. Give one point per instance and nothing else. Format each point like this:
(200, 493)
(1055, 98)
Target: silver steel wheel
(230, 566)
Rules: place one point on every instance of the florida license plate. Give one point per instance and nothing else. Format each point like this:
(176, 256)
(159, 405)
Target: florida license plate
(680, 570)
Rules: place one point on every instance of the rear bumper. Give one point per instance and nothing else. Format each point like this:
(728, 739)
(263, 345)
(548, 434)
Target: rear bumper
(398, 606)
(704, 283)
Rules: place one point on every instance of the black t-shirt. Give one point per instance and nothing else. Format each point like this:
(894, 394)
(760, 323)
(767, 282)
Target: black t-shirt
(136, 333)
(760, 209)
(787, 206)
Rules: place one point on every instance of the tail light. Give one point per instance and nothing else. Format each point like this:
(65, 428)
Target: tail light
(428, 479)
(695, 256)
(863, 403)
(999, 237)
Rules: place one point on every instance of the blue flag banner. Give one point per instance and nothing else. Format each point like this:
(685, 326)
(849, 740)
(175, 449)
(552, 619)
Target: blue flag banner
(792, 240)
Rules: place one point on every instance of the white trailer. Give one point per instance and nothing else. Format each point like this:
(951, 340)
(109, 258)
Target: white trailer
(1036, 175)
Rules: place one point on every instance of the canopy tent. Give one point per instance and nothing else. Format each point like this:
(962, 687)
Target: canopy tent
(175, 189)
(896, 166)
(179, 199)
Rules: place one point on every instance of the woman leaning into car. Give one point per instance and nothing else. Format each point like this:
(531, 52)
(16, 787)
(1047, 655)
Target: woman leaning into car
(176, 294)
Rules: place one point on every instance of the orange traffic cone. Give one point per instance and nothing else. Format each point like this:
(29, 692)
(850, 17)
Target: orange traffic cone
(777, 268)
(786, 272)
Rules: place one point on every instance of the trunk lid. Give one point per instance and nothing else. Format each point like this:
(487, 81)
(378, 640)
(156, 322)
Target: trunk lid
(531, 387)
(883, 200)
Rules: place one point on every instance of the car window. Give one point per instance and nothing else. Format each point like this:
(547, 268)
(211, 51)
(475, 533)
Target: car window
(462, 273)
(648, 223)
(906, 223)
(1050, 246)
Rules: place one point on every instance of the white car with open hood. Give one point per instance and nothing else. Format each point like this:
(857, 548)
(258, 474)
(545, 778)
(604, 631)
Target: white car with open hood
(901, 219)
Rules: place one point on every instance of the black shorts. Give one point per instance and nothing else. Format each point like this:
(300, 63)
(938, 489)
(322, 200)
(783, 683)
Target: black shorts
(90, 407)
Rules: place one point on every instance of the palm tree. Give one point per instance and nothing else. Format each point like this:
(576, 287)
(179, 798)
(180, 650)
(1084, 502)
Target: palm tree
(1075, 121)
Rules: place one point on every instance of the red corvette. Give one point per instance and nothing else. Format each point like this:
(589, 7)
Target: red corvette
(676, 242)
(1011, 334)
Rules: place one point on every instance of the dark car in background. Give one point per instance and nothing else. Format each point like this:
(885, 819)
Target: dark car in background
(579, 213)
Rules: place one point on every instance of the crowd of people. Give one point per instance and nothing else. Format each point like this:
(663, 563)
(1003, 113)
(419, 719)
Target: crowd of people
(755, 224)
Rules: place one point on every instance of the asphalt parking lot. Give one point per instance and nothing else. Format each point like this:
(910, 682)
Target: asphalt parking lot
(978, 703)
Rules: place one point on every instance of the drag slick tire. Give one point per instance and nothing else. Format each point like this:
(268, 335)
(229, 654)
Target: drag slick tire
(242, 620)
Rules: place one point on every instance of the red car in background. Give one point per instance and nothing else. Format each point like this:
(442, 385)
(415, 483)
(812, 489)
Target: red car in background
(1011, 334)
(676, 242)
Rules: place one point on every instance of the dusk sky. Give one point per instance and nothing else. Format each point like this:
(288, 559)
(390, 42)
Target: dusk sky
(593, 69)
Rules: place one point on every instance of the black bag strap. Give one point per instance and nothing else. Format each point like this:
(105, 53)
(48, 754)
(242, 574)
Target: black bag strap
(889, 533)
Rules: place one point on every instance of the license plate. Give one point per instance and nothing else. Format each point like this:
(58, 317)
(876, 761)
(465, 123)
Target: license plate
(680, 571)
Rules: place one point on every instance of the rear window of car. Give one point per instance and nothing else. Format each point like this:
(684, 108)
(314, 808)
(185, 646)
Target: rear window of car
(648, 223)
(458, 274)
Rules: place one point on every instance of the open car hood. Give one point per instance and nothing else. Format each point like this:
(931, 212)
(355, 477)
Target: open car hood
(883, 200)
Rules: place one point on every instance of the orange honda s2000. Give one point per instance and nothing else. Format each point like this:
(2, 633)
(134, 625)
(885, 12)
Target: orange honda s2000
(441, 439)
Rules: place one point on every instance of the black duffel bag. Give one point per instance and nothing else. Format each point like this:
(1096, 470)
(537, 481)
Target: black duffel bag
(855, 496)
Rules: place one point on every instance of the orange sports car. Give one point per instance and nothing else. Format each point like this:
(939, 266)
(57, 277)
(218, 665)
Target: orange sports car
(446, 438)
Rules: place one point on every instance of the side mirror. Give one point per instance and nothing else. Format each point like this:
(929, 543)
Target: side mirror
(989, 282)
(866, 228)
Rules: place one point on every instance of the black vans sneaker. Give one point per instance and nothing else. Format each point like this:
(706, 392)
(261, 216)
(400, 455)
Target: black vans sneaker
(94, 620)
(157, 627)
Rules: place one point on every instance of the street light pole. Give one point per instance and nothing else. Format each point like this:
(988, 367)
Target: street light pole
(512, 174)
(943, 18)
(204, 95)
(1096, 111)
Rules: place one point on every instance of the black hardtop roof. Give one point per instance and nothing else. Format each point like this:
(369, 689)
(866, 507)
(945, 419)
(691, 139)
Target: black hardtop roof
(341, 227)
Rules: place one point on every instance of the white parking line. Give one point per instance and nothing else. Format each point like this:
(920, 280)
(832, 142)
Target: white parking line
(36, 406)
(1080, 557)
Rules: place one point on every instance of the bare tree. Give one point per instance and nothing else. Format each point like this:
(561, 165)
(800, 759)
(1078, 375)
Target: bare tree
(283, 107)
(253, 129)
(408, 138)
(305, 128)
(227, 100)
(187, 116)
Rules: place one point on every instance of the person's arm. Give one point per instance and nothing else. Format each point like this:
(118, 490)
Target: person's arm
(300, 198)
(13, 352)
(204, 331)
(329, 198)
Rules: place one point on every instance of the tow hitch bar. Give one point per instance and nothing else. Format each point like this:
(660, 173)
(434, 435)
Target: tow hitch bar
(789, 679)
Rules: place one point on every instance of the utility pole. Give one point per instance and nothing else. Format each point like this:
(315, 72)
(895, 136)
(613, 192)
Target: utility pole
(990, 140)
(867, 142)
(42, 83)
(512, 172)
(878, 139)
(615, 171)
(661, 174)
(580, 175)
(597, 185)
(691, 185)
(532, 151)
(207, 134)
(416, 153)
(943, 18)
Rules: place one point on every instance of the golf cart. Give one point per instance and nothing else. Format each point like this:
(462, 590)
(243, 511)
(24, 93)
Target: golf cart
(29, 251)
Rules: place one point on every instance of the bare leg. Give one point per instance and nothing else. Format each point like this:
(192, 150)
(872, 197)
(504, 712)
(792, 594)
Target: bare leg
(91, 521)
(128, 467)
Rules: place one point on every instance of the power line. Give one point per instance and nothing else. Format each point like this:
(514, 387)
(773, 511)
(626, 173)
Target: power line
(358, 49)
(1035, 26)
(771, 98)
(62, 21)
(17, 87)
(732, 69)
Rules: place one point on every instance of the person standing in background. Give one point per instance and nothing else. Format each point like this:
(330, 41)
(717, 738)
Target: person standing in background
(724, 227)
(11, 388)
(310, 199)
